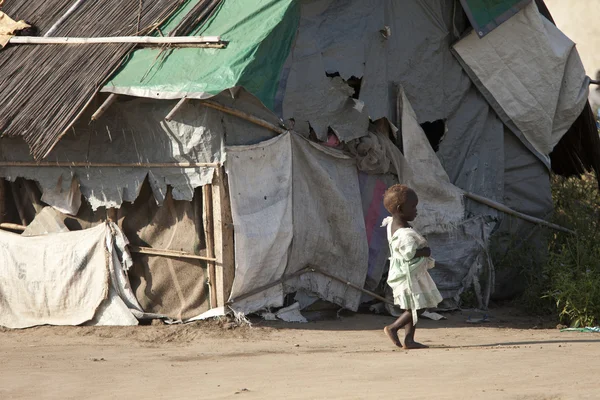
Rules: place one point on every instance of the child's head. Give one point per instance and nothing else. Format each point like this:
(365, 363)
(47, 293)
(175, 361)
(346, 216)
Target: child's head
(401, 201)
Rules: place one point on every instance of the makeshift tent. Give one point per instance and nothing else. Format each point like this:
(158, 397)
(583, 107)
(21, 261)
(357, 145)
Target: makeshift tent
(232, 167)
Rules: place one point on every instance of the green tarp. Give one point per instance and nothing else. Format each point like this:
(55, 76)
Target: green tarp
(486, 15)
(259, 33)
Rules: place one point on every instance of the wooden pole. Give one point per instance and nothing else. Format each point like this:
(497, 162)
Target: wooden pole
(302, 272)
(2, 200)
(102, 109)
(243, 115)
(115, 39)
(12, 227)
(223, 236)
(76, 164)
(207, 203)
(112, 215)
(169, 253)
(345, 282)
(18, 203)
(510, 211)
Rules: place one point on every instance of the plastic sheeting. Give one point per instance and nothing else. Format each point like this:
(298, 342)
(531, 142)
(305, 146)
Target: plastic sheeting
(256, 30)
(276, 202)
(532, 75)
(440, 203)
(344, 36)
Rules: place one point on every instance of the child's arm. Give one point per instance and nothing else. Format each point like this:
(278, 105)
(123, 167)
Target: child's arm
(424, 252)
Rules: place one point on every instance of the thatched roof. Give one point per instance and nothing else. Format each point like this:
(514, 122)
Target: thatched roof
(43, 88)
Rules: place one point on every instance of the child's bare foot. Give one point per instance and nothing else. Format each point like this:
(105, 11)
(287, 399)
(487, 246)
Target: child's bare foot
(393, 335)
(411, 345)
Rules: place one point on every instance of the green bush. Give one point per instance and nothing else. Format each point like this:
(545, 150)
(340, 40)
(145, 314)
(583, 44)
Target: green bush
(571, 277)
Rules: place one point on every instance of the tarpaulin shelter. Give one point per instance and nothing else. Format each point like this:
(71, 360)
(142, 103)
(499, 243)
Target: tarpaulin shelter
(233, 165)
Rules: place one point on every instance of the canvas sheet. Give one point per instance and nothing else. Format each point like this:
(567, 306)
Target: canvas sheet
(260, 184)
(532, 75)
(289, 190)
(328, 230)
(71, 278)
(173, 287)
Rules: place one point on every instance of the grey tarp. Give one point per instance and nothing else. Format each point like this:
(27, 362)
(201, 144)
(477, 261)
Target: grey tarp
(517, 244)
(343, 36)
(134, 131)
(313, 202)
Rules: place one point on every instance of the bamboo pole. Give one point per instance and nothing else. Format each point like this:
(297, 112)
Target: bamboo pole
(302, 272)
(243, 115)
(102, 109)
(12, 227)
(169, 253)
(269, 285)
(510, 211)
(116, 39)
(77, 164)
(345, 282)
(171, 113)
(2, 199)
(62, 19)
(207, 201)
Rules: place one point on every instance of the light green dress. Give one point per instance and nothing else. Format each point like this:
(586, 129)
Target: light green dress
(408, 277)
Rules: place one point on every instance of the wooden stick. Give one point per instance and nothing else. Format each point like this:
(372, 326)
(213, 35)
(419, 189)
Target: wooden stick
(76, 164)
(2, 199)
(12, 227)
(210, 241)
(345, 282)
(171, 113)
(66, 15)
(115, 39)
(18, 203)
(102, 109)
(510, 211)
(169, 253)
(243, 115)
(112, 214)
(302, 272)
(269, 285)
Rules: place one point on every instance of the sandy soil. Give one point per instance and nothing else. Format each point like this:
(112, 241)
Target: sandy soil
(511, 357)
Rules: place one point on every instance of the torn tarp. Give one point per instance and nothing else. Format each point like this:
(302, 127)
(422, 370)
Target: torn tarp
(266, 180)
(531, 74)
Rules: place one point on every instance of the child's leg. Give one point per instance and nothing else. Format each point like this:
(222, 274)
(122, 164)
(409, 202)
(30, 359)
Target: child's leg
(392, 330)
(409, 336)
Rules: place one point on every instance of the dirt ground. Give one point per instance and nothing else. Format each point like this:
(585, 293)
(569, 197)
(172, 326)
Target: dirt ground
(510, 357)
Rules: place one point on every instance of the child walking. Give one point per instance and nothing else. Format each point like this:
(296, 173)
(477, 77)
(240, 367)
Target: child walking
(410, 258)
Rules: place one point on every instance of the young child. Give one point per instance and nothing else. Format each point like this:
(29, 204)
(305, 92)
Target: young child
(410, 258)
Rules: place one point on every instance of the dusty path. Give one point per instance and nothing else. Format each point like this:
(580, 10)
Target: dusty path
(343, 359)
